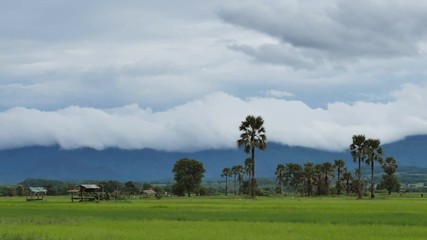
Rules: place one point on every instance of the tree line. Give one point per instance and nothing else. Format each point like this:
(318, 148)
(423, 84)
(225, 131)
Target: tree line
(314, 179)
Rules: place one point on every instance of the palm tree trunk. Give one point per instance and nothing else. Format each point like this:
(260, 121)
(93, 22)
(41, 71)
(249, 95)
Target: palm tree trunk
(372, 179)
(359, 176)
(253, 174)
(235, 184)
(226, 185)
(347, 187)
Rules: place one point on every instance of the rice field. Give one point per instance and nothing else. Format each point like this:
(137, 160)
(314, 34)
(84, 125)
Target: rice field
(217, 217)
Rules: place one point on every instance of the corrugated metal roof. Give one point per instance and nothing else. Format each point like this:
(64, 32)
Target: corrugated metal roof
(90, 186)
(37, 189)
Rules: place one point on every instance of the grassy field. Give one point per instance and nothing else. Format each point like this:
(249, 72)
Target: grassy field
(204, 218)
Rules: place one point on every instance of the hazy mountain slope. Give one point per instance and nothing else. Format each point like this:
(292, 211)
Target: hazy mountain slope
(147, 165)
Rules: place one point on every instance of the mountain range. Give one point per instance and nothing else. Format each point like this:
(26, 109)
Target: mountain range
(152, 165)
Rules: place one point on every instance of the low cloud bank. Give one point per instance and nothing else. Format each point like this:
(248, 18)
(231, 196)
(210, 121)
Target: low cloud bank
(212, 123)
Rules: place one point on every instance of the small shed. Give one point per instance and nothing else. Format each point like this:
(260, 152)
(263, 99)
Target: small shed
(148, 193)
(36, 193)
(85, 192)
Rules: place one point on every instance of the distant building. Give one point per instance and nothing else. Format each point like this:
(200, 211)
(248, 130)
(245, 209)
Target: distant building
(149, 193)
(36, 193)
(85, 192)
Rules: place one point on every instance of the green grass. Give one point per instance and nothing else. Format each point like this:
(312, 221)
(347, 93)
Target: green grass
(216, 218)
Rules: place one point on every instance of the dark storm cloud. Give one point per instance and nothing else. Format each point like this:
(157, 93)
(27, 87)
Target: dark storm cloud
(338, 29)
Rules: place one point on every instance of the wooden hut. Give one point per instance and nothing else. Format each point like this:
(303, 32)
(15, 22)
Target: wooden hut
(36, 193)
(149, 193)
(85, 192)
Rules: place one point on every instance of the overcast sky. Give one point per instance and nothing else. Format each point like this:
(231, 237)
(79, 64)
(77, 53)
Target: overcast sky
(182, 75)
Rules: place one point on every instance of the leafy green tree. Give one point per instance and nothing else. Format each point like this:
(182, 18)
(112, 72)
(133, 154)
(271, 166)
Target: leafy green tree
(146, 186)
(19, 190)
(358, 152)
(280, 176)
(130, 188)
(188, 174)
(339, 166)
(293, 175)
(390, 182)
(50, 189)
(110, 186)
(226, 172)
(237, 171)
(374, 154)
(178, 189)
(252, 136)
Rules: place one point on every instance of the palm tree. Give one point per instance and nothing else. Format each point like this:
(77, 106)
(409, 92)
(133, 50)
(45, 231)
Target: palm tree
(310, 177)
(339, 166)
(327, 171)
(389, 165)
(347, 177)
(358, 152)
(280, 174)
(390, 181)
(226, 172)
(252, 136)
(237, 171)
(374, 154)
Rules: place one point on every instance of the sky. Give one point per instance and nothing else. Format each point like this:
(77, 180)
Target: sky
(182, 75)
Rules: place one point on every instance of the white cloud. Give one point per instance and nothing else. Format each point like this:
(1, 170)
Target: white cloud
(212, 122)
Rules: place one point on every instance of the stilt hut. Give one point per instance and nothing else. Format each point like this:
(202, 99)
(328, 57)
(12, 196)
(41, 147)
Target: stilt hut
(85, 192)
(36, 193)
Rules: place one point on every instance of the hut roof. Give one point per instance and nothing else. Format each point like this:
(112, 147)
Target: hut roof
(149, 192)
(90, 186)
(37, 189)
(85, 186)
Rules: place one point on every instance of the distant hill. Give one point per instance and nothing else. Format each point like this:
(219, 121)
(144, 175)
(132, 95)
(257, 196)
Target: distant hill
(148, 165)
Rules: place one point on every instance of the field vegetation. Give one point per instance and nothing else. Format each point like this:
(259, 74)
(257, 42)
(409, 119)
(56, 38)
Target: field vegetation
(217, 217)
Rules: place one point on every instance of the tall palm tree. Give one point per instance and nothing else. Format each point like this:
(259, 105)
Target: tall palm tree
(339, 166)
(252, 136)
(280, 174)
(226, 172)
(237, 171)
(358, 152)
(374, 154)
